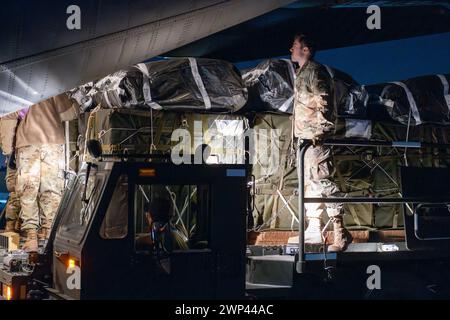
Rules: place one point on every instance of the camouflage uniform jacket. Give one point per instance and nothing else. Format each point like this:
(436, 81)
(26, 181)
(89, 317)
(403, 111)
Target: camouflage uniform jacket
(314, 107)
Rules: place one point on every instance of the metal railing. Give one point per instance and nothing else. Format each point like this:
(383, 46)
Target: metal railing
(301, 151)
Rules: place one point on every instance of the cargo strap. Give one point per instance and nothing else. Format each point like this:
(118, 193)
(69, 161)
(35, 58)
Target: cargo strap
(105, 95)
(89, 127)
(285, 106)
(286, 203)
(146, 87)
(152, 141)
(272, 218)
(412, 102)
(345, 190)
(291, 69)
(330, 71)
(199, 82)
(283, 148)
(275, 204)
(148, 100)
(446, 91)
(407, 137)
(366, 95)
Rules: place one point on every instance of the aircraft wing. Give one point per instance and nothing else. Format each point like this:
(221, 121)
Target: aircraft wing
(40, 57)
(332, 26)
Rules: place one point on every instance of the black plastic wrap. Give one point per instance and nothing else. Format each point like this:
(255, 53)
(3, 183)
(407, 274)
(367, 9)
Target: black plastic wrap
(415, 101)
(174, 84)
(351, 97)
(271, 86)
(122, 89)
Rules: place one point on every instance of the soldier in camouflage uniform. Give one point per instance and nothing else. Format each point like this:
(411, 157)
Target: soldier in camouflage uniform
(13, 204)
(8, 127)
(40, 184)
(314, 112)
(40, 165)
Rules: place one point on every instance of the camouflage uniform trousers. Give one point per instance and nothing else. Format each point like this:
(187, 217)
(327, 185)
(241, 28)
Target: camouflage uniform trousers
(13, 204)
(40, 183)
(12, 207)
(319, 182)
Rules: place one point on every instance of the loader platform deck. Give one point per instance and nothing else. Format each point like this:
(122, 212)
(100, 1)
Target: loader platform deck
(274, 276)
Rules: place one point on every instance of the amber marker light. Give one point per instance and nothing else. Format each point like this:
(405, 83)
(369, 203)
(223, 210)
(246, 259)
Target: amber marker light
(71, 263)
(147, 172)
(7, 292)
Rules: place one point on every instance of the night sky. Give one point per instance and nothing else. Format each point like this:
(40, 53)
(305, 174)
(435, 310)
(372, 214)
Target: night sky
(389, 60)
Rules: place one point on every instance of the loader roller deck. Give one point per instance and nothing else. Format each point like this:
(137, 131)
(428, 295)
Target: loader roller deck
(355, 252)
(274, 276)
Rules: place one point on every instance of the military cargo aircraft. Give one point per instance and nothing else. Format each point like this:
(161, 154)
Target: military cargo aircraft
(97, 247)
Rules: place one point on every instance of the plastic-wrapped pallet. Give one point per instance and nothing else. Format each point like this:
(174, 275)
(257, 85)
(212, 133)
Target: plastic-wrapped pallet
(271, 88)
(223, 133)
(141, 131)
(414, 101)
(132, 131)
(275, 173)
(188, 84)
(417, 102)
(350, 97)
(81, 95)
(271, 85)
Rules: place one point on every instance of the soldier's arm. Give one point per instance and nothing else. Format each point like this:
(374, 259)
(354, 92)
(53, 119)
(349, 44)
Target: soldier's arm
(10, 179)
(8, 128)
(70, 108)
(320, 86)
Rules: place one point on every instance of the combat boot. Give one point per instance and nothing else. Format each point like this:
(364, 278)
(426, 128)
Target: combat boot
(342, 238)
(10, 226)
(31, 243)
(313, 233)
